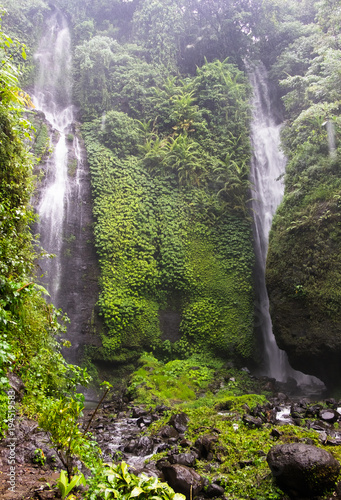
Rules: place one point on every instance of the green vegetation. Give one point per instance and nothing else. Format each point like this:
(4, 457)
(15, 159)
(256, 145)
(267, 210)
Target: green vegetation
(114, 481)
(304, 265)
(163, 98)
(215, 402)
(157, 187)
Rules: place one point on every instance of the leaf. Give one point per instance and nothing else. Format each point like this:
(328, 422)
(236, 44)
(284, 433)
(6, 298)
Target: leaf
(136, 492)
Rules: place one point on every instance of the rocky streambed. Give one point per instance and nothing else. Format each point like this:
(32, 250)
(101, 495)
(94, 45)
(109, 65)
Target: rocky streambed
(162, 442)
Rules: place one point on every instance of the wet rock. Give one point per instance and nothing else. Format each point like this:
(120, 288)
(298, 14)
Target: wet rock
(169, 432)
(205, 445)
(144, 421)
(140, 447)
(214, 490)
(183, 479)
(303, 470)
(187, 459)
(323, 437)
(179, 422)
(275, 433)
(329, 415)
(313, 411)
(251, 421)
(333, 441)
(139, 412)
(162, 447)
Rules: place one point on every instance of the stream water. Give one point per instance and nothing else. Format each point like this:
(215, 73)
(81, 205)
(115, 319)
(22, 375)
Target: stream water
(267, 170)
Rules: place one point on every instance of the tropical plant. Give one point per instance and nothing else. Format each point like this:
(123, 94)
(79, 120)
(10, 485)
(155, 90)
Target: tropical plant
(60, 421)
(115, 482)
(66, 485)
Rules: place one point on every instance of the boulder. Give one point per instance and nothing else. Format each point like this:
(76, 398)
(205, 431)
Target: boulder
(205, 445)
(169, 432)
(187, 459)
(214, 490)
(252, 421)
(183, 479)
(329, 415)
(179, 422)
(303, 471)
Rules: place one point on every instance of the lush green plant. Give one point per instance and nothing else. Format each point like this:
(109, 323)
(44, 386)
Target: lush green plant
(60, 420)
(66, 485)
(114, 481)
(39, 457)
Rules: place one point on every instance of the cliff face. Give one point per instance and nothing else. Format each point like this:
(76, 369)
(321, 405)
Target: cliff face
(303, 280)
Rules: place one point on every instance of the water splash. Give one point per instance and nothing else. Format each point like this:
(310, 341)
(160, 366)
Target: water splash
(267, 170)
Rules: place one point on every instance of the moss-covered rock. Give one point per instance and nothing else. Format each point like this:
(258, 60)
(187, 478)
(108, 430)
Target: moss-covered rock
(303, 279)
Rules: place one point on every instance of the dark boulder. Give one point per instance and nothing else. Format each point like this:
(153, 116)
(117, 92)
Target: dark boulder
(141, 446)
(214, 490)
(187, 459)
(169, 432)
(179, 422)
(329, 415)
(303, 470)
(183, 479)
(251, 421)
(205, 446)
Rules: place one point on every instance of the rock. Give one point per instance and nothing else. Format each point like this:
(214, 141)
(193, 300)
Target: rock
(183, 479)
(275, 433)
(251, 421)
(330, 416)
(205, 445)
(214, 490)
(169, 432)
(139, 412)
(303, 470)
(179, 422)
(187, 459)
(140, 447)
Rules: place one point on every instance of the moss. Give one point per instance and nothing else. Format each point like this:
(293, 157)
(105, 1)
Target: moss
(303, 278)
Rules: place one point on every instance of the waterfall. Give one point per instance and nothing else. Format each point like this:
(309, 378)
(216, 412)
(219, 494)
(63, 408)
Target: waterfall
(64, 204)
(267, 169)
(52, 93)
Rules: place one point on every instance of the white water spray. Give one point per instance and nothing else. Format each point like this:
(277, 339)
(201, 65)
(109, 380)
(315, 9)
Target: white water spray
(52, 96)
(267, 170)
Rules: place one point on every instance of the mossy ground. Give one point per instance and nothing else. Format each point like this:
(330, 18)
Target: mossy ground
(215, 398)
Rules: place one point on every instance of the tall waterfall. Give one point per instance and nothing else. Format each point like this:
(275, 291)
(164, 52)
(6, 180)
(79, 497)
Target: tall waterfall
(267, 169)
(64, 204)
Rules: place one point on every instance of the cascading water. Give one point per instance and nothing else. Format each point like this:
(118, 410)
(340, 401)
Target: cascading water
(64, 205)
(267, 169)
(52, 97)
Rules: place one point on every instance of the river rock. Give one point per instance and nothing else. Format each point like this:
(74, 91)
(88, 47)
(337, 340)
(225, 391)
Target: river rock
(329, 415)
(205, 445)
(179, 422)
(303, 470)
(251, 421)
(182, 479)
(214, 490)
(169, 432)
(187, 459)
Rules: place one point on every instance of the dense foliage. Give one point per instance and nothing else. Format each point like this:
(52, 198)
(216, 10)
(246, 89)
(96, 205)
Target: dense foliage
(30, 327)
(304, 266)
(163, 98)
(171, 230)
